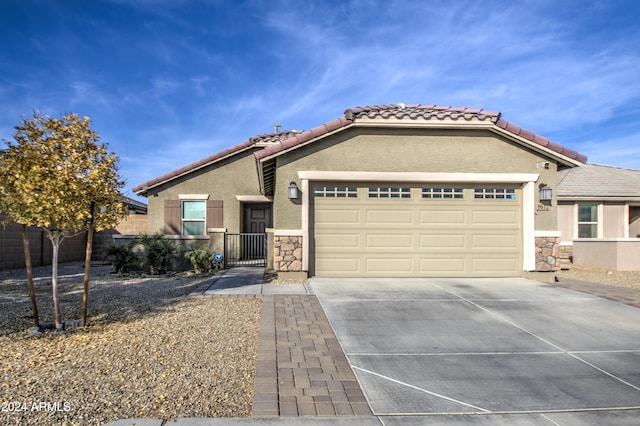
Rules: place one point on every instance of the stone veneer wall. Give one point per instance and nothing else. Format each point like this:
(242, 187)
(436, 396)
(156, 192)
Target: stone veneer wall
(548, 253)
(287, 254)
(566, 256)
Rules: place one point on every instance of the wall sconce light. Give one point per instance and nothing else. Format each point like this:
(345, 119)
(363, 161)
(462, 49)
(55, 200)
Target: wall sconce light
(294, 192)
(546, 194)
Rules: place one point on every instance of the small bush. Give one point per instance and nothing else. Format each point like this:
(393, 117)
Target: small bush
(122, 258)
(157, 253)
(201, 259)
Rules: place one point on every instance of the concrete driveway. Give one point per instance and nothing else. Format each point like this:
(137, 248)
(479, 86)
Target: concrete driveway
(487, 351)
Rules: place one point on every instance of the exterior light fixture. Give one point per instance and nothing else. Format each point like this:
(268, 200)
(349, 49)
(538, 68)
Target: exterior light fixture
(546, 194)
(294, 192)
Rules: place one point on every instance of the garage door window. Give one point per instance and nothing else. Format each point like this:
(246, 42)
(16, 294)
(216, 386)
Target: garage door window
(494, 193)
(389, 192)
(442, 193)
(335, 192)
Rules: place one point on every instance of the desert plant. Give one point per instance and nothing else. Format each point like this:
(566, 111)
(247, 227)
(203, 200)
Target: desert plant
(201, 259)
(123, 258)
(157, 253)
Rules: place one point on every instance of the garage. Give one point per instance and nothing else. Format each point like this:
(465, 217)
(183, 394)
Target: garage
(416, 230)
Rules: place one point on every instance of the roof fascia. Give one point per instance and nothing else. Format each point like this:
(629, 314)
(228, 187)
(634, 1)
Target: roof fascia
(562, 159)
(633, 199)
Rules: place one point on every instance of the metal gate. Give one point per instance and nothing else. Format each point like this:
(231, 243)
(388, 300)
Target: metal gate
(245, 250)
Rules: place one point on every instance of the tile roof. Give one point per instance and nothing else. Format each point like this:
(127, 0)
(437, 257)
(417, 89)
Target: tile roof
(416, 112)
(598, 181)
(259, 140)
(276, 143)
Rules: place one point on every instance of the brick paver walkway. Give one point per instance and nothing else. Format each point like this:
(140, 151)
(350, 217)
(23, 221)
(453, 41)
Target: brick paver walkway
(301, 368)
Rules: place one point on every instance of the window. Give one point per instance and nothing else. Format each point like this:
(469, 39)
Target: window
(494, 193)
(388, 192)
(442, 193)
(335, 192)
(193, 217)
(587, 221)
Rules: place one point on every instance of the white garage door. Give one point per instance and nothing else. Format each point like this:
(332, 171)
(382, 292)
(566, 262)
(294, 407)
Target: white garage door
(425, 230)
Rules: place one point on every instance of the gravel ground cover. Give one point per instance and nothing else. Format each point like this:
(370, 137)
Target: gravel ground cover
(149, 351)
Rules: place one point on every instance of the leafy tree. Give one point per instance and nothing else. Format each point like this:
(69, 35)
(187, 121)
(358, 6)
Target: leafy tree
(59, 177)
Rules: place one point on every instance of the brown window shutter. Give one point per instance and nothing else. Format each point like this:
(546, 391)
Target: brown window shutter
(172, 217)
(214, 214)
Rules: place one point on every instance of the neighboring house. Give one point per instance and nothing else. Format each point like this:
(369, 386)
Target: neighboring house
(390, 190)
(599, 216)
(132, 225)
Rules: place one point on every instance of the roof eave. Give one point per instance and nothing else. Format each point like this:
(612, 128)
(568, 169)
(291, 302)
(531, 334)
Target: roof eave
(562, 159)
(618, 198)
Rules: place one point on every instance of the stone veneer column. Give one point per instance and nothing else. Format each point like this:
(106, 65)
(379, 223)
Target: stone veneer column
(548, 254)
(287, 253)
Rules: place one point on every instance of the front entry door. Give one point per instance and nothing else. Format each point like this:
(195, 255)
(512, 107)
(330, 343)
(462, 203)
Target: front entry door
(257, 218)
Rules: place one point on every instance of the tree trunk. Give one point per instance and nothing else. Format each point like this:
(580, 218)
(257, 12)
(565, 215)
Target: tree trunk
(87, 270)
(32, 289)
(55, 243)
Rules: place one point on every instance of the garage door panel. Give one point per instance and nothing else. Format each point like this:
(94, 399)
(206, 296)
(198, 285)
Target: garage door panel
(390, 241)
(494, 265)
(437, 241)
(338, 241)
(443, 217)
(503, 242)
(338, 265)
(495, 218)
(385, 265)
(445, 266)
(395, 217)
(338, 217)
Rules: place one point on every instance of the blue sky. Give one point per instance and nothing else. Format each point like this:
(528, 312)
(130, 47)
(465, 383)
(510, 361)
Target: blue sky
(168, 82)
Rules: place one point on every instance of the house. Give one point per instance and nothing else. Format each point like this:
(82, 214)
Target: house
(599, 216)
(386, 190)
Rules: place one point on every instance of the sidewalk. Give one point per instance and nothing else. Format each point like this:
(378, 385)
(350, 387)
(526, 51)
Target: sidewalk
(245, 282)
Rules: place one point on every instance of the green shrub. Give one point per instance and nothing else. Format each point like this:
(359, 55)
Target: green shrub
(122, 258)
(201, 259)
(157, 253)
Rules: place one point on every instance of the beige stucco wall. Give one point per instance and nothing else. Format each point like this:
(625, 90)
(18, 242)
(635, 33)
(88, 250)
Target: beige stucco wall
(608, 254)
(613, 220)
(222, 181)
(566, 220)
(409, 150)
